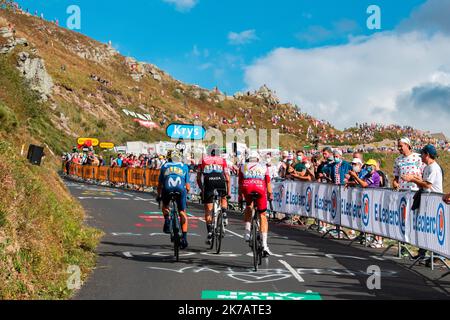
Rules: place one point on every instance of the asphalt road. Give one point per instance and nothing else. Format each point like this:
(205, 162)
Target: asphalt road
(135, 260)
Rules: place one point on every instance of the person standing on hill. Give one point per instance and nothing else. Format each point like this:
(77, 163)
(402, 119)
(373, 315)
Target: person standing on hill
(409, 163)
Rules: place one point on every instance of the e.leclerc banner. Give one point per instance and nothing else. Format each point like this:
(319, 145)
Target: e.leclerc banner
(430, 228)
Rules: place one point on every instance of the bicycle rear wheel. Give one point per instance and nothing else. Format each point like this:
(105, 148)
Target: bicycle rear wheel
(255, 244)
(176, 234)
(219, 233)
(260, 248)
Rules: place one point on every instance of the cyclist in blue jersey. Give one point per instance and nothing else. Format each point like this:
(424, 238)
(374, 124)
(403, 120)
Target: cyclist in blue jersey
(174, 177)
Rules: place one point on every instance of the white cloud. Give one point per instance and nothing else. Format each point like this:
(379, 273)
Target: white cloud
(183, 5)
(389, 77)
(243, 37)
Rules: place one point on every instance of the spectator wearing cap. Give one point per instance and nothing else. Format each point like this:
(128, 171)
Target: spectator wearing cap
(290, 167)
(371, 179)
(357, 168)
(408, 163)
(340, 168)
(432, 178)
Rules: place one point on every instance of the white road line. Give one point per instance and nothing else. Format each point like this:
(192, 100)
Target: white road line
(153, 202)
(292, 270)
(227, 230)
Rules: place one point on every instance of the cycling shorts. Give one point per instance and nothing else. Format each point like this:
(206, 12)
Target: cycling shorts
(180, 200)
(261, 202)
(213, 181)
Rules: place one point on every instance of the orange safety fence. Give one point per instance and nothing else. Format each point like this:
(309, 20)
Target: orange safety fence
(151, 177)
(89, 172)
(102, 174)
(135, 176)
(72, 169)
(79, 170)
(117, 175)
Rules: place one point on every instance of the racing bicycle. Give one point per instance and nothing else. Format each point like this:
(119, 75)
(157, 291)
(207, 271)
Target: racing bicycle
(255, 234)
(175, 225)
(218, 224)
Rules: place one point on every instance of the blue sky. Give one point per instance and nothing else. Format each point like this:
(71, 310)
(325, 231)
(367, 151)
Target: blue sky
(318, 54)
(193, 44)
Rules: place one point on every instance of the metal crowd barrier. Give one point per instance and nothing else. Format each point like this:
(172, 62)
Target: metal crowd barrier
(343, 208)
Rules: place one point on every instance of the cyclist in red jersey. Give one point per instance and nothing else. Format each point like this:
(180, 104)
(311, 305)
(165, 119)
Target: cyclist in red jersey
(216, 176)
(254, 177)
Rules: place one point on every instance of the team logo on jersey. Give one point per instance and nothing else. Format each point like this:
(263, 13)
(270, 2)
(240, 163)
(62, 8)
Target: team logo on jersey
(366, 210)
(254, 172)
(174, 182)
(440, 224)
(213, 168)
(402, 212)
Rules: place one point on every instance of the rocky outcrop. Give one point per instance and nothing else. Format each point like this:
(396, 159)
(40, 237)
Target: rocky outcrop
(34, 71)
(263, 93)
(139, 70)
(92, 51)
(9, 41)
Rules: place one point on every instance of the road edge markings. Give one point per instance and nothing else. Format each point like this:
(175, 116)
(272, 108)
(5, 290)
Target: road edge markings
(292, 271)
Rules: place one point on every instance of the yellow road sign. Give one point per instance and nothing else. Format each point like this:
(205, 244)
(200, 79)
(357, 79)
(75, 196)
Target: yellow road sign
(106, 145)
(82, 141)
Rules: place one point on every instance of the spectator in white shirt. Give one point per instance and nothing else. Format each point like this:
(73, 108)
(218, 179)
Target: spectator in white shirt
(431, 181)
(409, 163)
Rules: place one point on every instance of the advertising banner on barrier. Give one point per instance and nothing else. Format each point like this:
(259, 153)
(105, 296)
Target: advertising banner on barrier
(313, 200)
(292, 198)
(326, 203)
(430, 226)
(375, 211)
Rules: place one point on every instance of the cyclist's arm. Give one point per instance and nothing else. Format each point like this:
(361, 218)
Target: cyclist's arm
(188, 187)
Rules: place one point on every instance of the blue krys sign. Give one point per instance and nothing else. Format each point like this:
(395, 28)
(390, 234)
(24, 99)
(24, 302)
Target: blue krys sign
(185, 131)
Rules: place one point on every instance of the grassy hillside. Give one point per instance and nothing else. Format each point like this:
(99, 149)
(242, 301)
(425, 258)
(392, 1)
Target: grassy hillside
(41, 231)
(41, 226)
